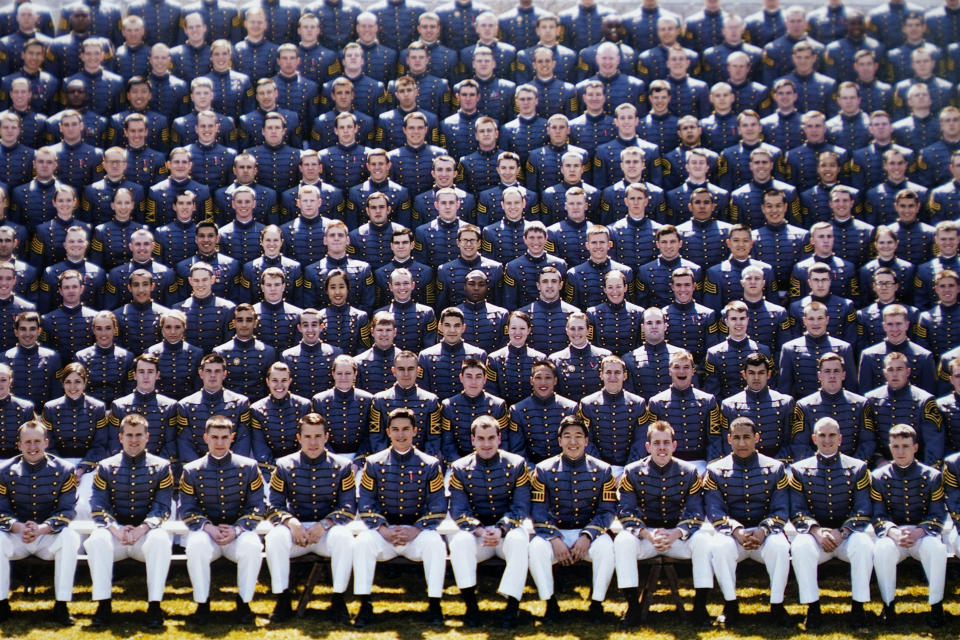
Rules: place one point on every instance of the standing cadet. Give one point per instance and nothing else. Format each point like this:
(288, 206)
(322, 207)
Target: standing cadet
(177, 359)
(909, 514)
(347, 410)
(38, 495)
(160, 411)
(769, 409)
(489, 499)
(221, 499)
(132, 495)
(34, 366)
(401, 502)
(746, 499)
(458, 412)
(647, 365)
(14, 412)
(407, 394)
(572, 523)
(213, 399)
(579, 363)
(274, 418)
(310, 361)
(661, 510)
(724, 362)
(440, 364)
(312, 500)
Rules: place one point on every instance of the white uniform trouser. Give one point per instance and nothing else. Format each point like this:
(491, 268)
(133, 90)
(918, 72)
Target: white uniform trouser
(61, 547)
(600, 555)
(154, 549)
(371, 548)
(856, 550)
(202, 550)
(628, 548)
(929, 550)
(774, 553)
(336, 544)
(466, 550)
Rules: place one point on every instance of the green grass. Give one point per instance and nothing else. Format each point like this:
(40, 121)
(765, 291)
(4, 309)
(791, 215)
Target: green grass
(399, 598)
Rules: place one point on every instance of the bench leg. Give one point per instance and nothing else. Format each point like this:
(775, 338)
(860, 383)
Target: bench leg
(646, 596)
(674, 585)
(307, 594)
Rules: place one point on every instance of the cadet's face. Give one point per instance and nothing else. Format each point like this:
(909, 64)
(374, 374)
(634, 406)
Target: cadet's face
(416, 132)
(577, 332)
(740, 243)
(613, 375)
(513, 205)
(660, 445)
(73, 385)
(469, 245)
(897, 374)
(8, 280)
(336, 241)
(103, 332)
(141, 289)
(312, 438)
(310, 328)
(172, 330)
(213, 375)
(822, 241)
(903, 450)
(756, 377)
(452, 328)
(218, 441)
(702, 205)
(6, 381)
(907, 209)
(946, 291)
(598, 246)
(201, 282)
(737, 322)
(133, 439)
(146, 376)
(549, 286)
(272, 242)
(831, 376)
(401, 287)
(405, 372)
(743, 442)
(573, 442)
(654, 328)
(681, 374)
(273, 289)
(895, 328)
(535, 242)
(615, 290)
(279, 383)
(245, 323)
(401, 432)
(32, 445)
(75, 246)
(827, 439)
(384, 335)
(518, 331)
(954, 379)
(486, 441)
(71, 289)
(337, 291)
(683, 288)
(27, 333)
(752, 284)
(473, 380)
(815, 322)
(475, 289)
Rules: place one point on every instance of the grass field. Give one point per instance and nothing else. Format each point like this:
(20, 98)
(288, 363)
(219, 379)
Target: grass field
(398, 600)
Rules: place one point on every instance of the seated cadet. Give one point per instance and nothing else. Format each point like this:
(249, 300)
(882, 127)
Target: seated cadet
(347, 409)
(900, 401)
(78, 163)
(75, 247)
(373, 365)
(458, 412)
(661, 510)
(799, 357)
(144, 164)
(107, 364)
(908, 516)
(211, 159)
(571, 525)
(693, 165)
(746, 499)
(830, 507)
(221, 501)
(159, 410)
(579, 363)
(938, 329)
(746, 201)
(34, 366)
(132, 496)
(208, 315)
(618, 418)
(392, 126)
(37, 504)
(653, 279)
(265, 206)
(440, 364)
(395, 526)
(328, 199)
(896, 324)
(310, 361)
(723, 365)
(436, 240)
(840, 310)
(110, 244)
(484, 322)
(26, 285)
(879, 206)
(14, 412)
(33, 203)
(702, 235)
(211, 400)
(312, 500)
(544, 164)
(489, 501)
(247, 358)
(401, 246)
(616, 322)
(548, 312)
(478, 170)
(380, 202)
(277, 317)
(178, 360)
(769, 409)
(528, 130)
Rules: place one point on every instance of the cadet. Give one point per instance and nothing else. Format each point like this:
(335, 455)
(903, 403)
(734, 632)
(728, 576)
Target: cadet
(770, 410)
(278, 318)
(347, 410)
(11, 304)
(37, 504)
(158, 410)
(746, 499)
(531, 417)
(909, 514)
(521, 276)
(899, 401)
(107, 364)
(747, 170)
(34, 366)
(246, 357)
(584, 287)
(415, 323)
(616, 322)
(777, 242)
(509, 368)
(373, 365)
(380, 198)
(693, 414)
(132, 496)
(212, 400)
(916, 238)
(619, 418)
(141, 247)
(723, 364)
(886, 287)
(661, 510)
(624, 207)
(647, 365)
(177, 240)
(938, 327)
(655, 278)
(312, 500)
(162, 195)
(226, 270)
(703, 236)
(458, 412)
(405, 393)
(945, 241)
(221, 499)
(831, 509)
(721, 283)
(484, 322)
(767, 323)
(840, 310)
(853, 414)
(799, 357)
(489, 500)
(397, 527)
(304, 234)
(337, 242)
(177, 359)
(543, 164)
(572, 523)
(896, 323)
(439, 364)
(310, 361)
(271, 247)
(14, 412)
(209, 316)
(451, 276)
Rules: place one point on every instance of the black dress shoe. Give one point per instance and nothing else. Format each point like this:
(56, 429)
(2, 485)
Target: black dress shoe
(472, 617)
(858, 617)
(596, 612)
(779, 615)
(154, 616)
(244, 614)
(61, 614)
(731, 614)
(434, 613)
(282, 609)
(511, 616)
(552, 615)
(338, 612)
(104, 611)
(202, 614)
(4, 610)
(935, 617)
(365, 615)
(814, 619)
(888, 615)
